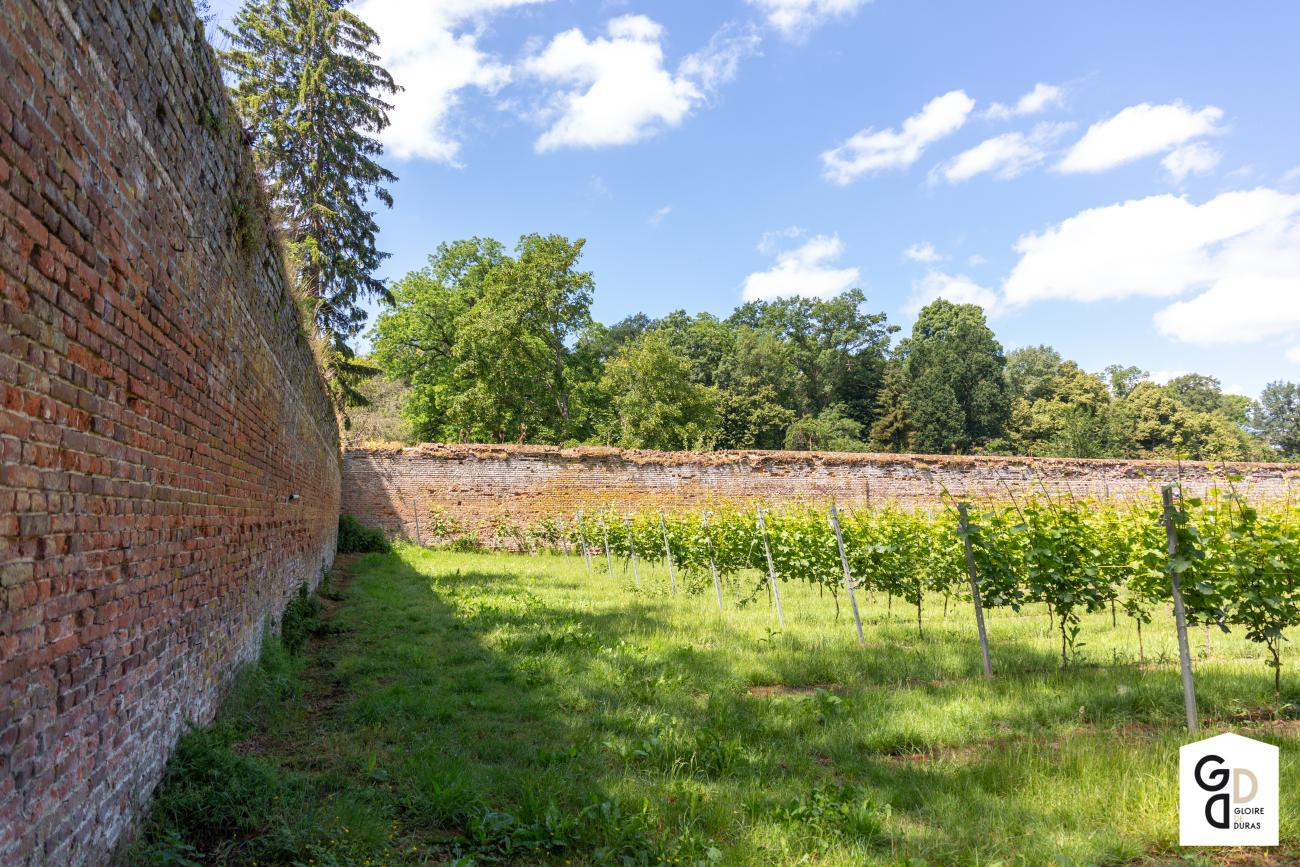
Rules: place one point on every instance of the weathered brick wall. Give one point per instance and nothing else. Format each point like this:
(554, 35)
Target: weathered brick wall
(480, 485)
(158, 409)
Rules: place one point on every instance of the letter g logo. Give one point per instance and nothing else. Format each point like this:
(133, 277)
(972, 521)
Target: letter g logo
(1218, 778)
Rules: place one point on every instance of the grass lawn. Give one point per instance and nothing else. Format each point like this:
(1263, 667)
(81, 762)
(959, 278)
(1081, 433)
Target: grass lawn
(504, 708)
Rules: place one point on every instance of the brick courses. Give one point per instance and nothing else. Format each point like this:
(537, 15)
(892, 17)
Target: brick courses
(482, 485)
(158, 407)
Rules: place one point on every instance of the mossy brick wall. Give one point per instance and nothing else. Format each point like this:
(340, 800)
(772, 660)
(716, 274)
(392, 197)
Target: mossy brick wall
(158, 408)
(485, 486)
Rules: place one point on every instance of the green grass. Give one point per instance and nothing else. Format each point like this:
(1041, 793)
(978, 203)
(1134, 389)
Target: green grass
(502, 708)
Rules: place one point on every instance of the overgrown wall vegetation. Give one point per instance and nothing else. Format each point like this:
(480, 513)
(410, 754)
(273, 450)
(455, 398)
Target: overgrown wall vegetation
(488, 490)
(168, 454)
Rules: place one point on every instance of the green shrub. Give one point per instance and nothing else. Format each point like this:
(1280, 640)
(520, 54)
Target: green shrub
(465, 545)
(354, 538)
(301, 619)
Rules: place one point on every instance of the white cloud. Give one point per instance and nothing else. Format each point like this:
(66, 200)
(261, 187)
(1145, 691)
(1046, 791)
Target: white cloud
(432, 52)
(957, 288)
(1196, 158)
(803, 271)
(1254, 290)
(1240, 251)
(772, 240)
(1136, 132)
(718, 62)
(976, 260)
(924, 252)
(796, 18)
(1006, 156)
(1162, 377)
(1293, 355)
(614, 89)
(1041, 98)
(874, 150)
(1291, 175)
(658, 216)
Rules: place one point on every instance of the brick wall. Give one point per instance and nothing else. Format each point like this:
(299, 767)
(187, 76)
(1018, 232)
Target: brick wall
(478, 485)
(158, 408)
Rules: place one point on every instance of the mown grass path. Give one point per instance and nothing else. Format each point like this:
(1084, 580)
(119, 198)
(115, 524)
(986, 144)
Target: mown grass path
(499, 708)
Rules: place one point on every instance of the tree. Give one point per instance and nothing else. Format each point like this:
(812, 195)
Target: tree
(956, 387)
(488, 341)
(1277, 417)
(703, 340)
(1122, 379)
(1030, 371)
(892, 430)
(752, 420)
(1196, 391)
(657, 406)
(308, 87)
(1067, 418)
(829, 431)
(837, 350)
(513, 347)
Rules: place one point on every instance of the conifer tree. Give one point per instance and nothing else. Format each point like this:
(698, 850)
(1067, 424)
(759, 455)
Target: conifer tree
(310, 91)
(892, 432)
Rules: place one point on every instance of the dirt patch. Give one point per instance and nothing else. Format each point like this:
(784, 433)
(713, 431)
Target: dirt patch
(782, 689)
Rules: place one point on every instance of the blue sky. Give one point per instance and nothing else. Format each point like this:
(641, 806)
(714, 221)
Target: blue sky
(1119, 180)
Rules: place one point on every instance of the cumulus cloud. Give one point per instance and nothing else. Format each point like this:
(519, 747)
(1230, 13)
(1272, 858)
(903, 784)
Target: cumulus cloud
(873, 150)
(1253, 294)
(795, 19)
(806, 270)
(957, 288)
(615, 89)
(1005, 156)
(1136, 132)
(1041, 98)
(1239, 251)
(1196, 158)
(923, 252)
(433, 53)
(1293, 355)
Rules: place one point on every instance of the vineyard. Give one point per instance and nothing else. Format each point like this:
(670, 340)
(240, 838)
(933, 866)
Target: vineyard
(740, 687)
(1237, 565)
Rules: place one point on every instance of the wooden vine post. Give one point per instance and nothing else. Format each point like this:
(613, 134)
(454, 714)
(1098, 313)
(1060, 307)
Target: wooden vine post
(771, 570)
(848, 578)
(631, 547)
(582, 538)
(1180, 614)
(609, 561)
(668, 553)
(974, 588)
(713, 567)
(415, 513)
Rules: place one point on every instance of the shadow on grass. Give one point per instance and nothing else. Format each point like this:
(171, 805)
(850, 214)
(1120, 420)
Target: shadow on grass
(458, 712)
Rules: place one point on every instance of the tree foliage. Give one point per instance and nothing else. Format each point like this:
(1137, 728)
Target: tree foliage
(501, 347)
(955, 367)
(311, 93)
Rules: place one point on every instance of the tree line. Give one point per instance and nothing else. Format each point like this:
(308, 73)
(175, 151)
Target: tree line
(489, 345)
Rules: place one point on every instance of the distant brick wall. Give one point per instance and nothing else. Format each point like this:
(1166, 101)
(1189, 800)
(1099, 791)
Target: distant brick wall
(158, 407)
(480, 484)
